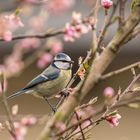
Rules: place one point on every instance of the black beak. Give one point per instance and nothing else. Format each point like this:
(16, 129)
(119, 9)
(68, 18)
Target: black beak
(71, 62)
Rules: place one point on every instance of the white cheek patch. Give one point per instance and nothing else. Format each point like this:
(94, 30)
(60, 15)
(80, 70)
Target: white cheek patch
(62, 65)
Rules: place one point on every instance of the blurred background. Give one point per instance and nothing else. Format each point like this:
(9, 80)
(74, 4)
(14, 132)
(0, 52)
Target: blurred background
(55, 17)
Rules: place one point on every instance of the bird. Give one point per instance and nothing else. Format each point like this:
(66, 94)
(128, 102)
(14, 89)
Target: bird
(51, 81)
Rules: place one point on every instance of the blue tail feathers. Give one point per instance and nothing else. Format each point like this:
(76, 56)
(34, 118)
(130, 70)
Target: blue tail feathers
(16, 94)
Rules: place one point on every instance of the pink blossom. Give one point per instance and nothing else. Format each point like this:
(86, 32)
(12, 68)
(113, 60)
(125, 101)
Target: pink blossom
(29, 43)
(7, 35)
(55, 46)
(113, 120)
(77, 27)
(15, 109)
(69, 33)
(90, 21)
(72, 32)
(60, 126)
(57, 6)
(8, 24)
(80, 29)
(28, 121)
(56, 49)
(109, 92)
(13, 65)
(13, 21)
(44, 60)
(76, 18)
(37, 22)
(106, 3)
(21, 131)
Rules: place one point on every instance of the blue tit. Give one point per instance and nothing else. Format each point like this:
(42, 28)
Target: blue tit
(51, 81)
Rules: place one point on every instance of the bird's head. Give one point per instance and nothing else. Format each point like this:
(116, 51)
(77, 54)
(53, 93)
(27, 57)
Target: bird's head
(62, 61)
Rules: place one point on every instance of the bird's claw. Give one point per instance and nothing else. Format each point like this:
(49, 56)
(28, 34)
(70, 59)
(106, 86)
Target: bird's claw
(54, 109)
(66, 92)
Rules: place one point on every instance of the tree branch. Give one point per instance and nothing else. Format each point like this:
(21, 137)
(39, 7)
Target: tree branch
(97, 68)
(40, 36)
(9, 116)
(118, 97)
(116, 72)
(81, 130)
(107, 23)
(95, 15)
(100, 110)
(122, 12)
(133, 35)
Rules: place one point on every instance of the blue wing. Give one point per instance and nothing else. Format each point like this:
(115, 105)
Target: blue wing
(50, 73)
(38, 80)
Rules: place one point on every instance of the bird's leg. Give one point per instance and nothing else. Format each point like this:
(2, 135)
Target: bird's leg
(53, 108)
(66, 92)
(62, 98)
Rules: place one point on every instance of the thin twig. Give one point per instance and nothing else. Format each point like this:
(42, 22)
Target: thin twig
(93, 124)
(116, 72)
(115, 104)
(95, 15)
(9, 116)
(122, 12)
(81, 130)
(86, 60)
(119, 97)
(40, 36)
(133, 35)
(104, 28)
(107, 23)
(123, 103)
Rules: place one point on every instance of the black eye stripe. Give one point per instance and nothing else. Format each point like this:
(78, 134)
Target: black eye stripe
(71, 62)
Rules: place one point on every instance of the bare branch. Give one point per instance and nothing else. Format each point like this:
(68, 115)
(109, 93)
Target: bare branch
(81, 130)
(100, 110)
(107, 23)
(116, 72)
(40, 36)
(133, 35)
(122, 12)
(9, 116)
(97, 68)
(119, 96)
(95, 15)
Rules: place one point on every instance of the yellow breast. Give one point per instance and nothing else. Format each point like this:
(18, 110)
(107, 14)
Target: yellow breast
(51, 88)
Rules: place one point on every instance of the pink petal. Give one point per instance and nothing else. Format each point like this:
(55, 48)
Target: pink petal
(109, 92)
(29, 120)
(44, 60)
(7, 36)
(106, 3)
